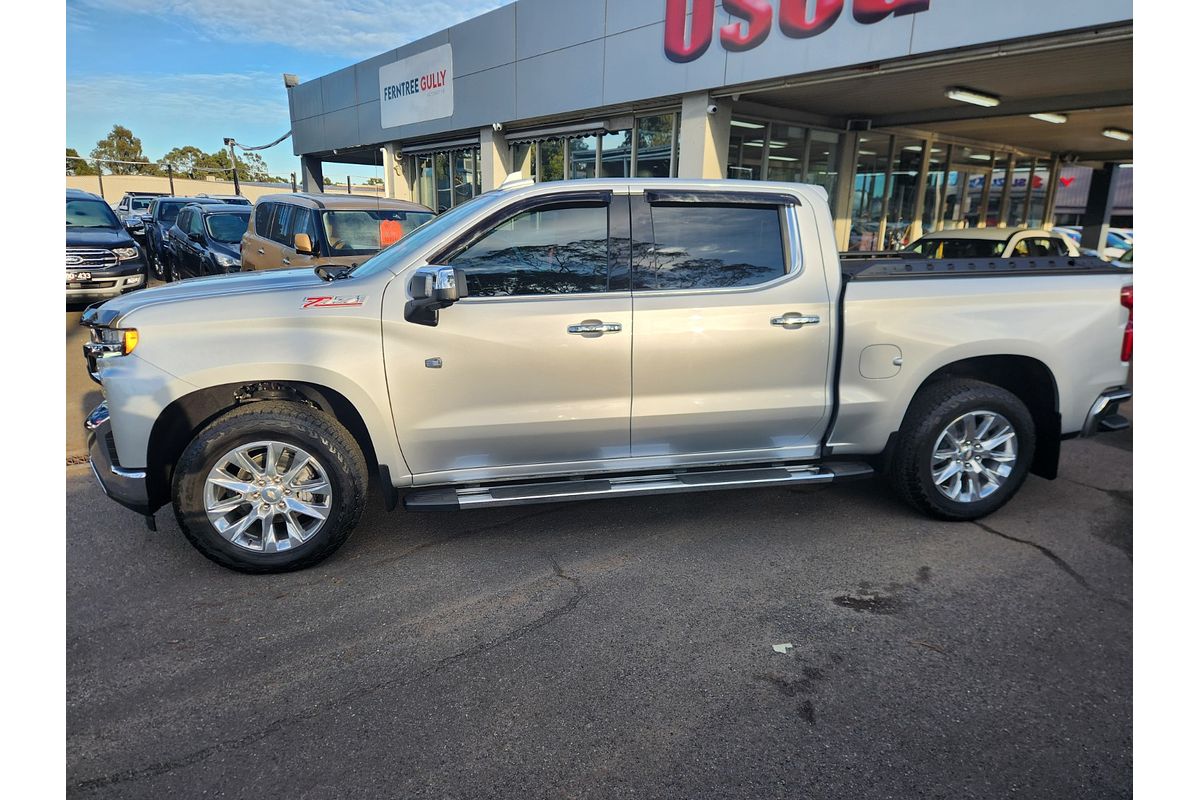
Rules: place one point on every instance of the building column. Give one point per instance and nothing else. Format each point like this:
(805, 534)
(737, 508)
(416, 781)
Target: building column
(495, 159)
(841, 205)
(1101, 195)
(312, 174)
(704, 137)
(397, 183)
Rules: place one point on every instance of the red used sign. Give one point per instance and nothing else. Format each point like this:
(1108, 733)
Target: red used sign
(688, 39)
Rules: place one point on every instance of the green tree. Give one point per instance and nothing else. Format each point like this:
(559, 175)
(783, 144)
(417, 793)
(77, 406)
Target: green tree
(183, 160)
(328, 182)
(374, 181)
(122, 145)
(77, 167)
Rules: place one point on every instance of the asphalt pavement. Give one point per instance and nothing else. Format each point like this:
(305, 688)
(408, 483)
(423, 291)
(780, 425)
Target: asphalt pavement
(619, 648)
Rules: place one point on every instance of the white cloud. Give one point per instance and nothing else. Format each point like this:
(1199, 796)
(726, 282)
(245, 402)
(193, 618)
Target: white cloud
(357, 28)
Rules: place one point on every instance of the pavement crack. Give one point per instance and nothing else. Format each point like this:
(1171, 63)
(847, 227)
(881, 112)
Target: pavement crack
(1055, 559)
(1121, 495)
(197, 756)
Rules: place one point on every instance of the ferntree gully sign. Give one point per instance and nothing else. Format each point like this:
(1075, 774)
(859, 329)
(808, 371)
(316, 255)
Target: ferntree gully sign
(798, 19)
(417, 88)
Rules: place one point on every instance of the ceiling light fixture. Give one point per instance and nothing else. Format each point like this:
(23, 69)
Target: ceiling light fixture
(1118, 134)
(737, 123)
(1057, 119)
(974, 98)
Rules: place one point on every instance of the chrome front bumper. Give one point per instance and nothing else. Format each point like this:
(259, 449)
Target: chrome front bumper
(126, 486)
(1104, 416)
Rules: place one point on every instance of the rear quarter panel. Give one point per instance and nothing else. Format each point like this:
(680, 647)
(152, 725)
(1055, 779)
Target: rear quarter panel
(1073, 324)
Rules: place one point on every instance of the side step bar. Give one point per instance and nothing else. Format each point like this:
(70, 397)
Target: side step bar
(453, 498)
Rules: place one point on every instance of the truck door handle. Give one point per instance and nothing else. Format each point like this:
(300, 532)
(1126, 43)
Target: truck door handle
(287, 260)
(261, 251)
(594, 326)
(793, 320)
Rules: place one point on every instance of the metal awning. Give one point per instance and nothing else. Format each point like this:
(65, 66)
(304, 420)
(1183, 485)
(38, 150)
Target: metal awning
(440, 147)
(557, 132)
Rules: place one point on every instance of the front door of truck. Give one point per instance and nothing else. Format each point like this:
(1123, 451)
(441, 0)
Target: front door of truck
(531, 372)
(731, 346)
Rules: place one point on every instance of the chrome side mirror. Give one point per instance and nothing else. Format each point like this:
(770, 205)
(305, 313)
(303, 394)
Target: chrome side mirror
(433, 288)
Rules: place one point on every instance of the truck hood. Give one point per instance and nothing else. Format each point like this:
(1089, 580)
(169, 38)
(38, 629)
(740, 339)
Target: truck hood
(202, 288)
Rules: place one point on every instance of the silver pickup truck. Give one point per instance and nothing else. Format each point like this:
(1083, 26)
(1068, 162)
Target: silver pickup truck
(588, 339)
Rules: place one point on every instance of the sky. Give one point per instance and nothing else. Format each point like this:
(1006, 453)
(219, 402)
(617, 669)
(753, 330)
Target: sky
(180, 72)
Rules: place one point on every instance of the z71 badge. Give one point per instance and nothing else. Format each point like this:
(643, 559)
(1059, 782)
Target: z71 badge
(329, 301)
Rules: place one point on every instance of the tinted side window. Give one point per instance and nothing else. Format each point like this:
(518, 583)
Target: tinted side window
(281, 223)
(302, 222)
(262, 218)
(195, 223)
(550, 250)
(182, 219)
(711, 247)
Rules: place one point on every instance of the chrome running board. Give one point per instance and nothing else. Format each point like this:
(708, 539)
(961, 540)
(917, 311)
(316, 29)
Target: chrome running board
(453, 498)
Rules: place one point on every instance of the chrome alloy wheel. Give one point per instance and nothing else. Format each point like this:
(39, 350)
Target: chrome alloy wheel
(267, 496)
(973, 456)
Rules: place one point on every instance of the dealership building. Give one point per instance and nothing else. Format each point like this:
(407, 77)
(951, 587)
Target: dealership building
(914, 115)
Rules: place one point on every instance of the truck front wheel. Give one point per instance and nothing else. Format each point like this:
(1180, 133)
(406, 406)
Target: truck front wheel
(963, 450)
(270, 487)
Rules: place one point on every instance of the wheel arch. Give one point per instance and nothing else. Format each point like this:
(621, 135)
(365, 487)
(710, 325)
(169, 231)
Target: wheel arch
(186, 416)
(1032, 382)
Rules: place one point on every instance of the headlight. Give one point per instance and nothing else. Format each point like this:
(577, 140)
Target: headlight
(112, 342)
(126, 253)
(227, 261)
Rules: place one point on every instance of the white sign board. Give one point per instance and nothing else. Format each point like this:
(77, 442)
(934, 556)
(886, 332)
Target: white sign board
(417, 88)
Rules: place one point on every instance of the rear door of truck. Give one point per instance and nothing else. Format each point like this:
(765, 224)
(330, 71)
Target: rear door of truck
(731, 334)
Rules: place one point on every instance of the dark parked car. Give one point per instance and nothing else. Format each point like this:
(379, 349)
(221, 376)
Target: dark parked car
(163, 211)
(205, 239)
(102, 260)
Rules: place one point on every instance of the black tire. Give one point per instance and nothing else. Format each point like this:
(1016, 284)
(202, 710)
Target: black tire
(933, 409)
(172, 272)
(318, 434)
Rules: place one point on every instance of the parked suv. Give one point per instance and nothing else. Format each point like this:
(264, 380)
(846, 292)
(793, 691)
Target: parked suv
(204, 240)
(163, 211)
(133, 209)
(102, 259)
(297, 230)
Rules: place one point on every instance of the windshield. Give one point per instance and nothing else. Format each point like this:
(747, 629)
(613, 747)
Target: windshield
(355, 233)
(425, 236)
(957, 248)
(139, 203)
(227, 228)
(167, 212)
(90, 214)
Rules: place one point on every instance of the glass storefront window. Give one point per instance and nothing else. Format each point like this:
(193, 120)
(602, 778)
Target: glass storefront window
(902, 195)
(656, 145)
(582, 157)
(446, 179)
(821, 161)
(747, 149)
(870, 176)
(786, 159)
(550, 160)
(935, 189)
(616, 154)
(1021, 184)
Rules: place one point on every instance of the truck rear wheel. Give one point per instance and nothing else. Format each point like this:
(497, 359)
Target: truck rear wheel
(270, 487)
(963, 450)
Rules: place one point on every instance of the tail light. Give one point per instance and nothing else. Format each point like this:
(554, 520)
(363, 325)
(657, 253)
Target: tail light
(1127, 343)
